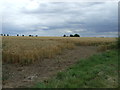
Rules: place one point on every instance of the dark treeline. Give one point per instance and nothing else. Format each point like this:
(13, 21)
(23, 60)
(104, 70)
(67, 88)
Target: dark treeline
(75, 35)
(18, 35)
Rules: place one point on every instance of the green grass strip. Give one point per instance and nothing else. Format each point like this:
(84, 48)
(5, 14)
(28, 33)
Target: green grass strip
(98, 71)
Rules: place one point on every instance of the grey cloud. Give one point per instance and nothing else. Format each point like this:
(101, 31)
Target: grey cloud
(83, 18)
(61, 7)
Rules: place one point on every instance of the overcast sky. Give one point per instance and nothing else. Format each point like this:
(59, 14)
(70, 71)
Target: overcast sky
(94, 19)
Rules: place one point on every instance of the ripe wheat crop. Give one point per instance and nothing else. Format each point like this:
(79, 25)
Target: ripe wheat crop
(25, 50)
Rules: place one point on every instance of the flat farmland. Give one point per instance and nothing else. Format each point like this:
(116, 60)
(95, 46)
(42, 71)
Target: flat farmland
(29, 60)
(26, 50)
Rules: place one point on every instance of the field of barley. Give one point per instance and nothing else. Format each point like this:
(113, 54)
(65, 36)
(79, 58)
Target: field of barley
(25, 50)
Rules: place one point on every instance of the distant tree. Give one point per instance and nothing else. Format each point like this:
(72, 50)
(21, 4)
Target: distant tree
(7, 34)
(64, 35)
(17, 34)
(1, 34)
(4, 34)
(23, 35)
(30, 35)
(36, 35)
(76, 35)
(71, 35)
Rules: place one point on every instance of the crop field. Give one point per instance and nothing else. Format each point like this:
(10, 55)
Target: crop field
(25, 50)
(31, 61)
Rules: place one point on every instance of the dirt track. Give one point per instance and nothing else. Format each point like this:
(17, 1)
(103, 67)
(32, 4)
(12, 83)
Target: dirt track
(27, 76)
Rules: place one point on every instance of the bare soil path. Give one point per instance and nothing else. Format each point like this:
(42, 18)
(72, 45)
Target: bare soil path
(27, 76)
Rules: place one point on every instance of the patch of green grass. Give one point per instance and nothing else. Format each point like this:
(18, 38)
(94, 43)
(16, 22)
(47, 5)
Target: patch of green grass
(98, 71)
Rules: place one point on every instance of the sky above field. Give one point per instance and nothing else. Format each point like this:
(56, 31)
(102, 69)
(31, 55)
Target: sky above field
(89, 19)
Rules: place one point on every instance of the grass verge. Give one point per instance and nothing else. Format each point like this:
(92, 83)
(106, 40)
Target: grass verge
(98, 71)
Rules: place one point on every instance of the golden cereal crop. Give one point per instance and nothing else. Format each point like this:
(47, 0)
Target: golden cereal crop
(26, 50)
